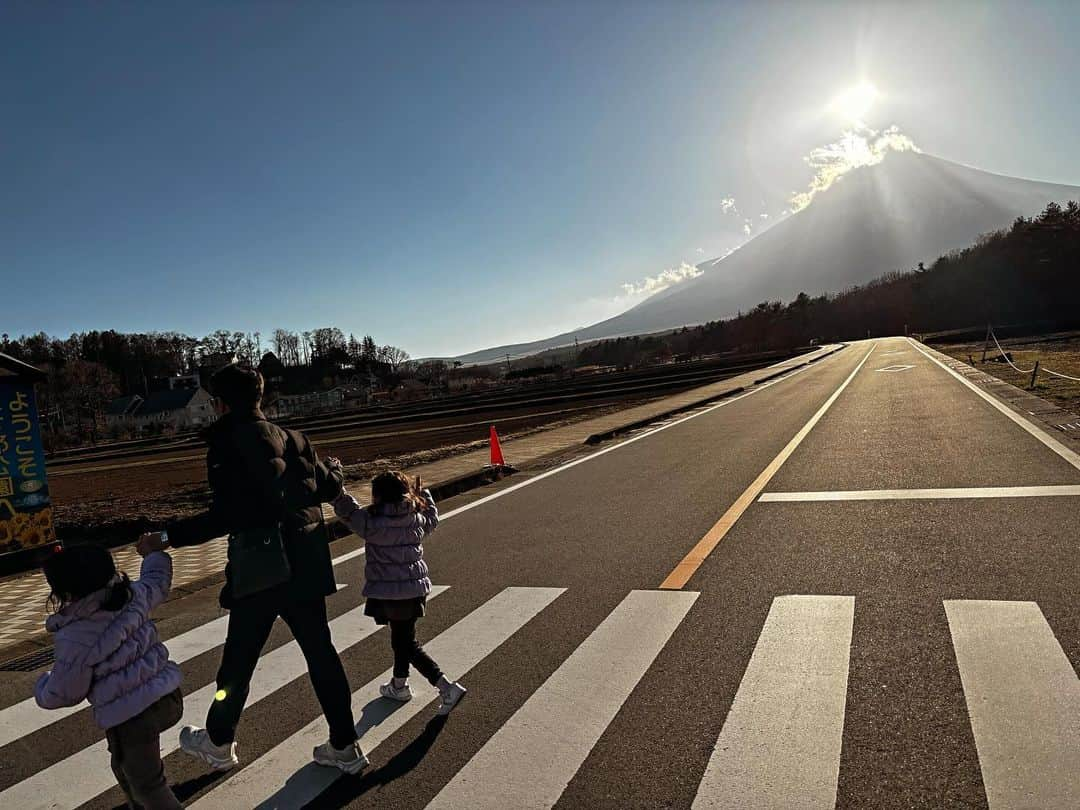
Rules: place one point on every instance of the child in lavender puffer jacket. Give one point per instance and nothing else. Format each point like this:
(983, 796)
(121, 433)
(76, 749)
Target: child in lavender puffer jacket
(396, 576)
(108, 652)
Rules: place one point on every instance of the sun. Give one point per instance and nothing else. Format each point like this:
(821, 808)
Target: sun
(854, 103)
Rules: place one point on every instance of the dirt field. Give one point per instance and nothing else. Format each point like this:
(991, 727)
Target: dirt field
(95, 499)
(1060, 353)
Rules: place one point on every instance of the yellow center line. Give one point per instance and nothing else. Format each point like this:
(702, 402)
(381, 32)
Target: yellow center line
(682, 572)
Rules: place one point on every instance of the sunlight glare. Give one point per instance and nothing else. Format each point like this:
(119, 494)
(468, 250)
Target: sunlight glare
(854, 103)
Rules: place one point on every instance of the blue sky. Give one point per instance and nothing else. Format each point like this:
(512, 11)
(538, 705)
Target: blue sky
(450, 176)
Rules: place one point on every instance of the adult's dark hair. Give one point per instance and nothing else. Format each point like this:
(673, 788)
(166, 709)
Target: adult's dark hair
(79, 571)
(239, 387)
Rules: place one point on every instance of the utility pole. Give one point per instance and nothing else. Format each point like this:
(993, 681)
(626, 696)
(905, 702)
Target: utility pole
(508, 362)
(986, 340)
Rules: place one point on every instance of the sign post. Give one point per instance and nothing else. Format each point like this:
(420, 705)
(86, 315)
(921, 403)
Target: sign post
(26, 519)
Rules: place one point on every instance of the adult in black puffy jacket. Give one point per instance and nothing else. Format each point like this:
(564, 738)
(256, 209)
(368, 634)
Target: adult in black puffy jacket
(263, 475)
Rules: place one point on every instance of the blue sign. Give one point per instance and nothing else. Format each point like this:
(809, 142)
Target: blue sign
(26, 519)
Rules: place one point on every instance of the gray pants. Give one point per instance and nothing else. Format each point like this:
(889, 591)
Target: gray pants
(136, 754)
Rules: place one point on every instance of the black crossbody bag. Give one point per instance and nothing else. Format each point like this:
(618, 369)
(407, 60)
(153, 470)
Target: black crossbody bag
(257, 557)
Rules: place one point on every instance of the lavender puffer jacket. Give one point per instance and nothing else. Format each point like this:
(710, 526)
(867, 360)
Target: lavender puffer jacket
(114, 659)
(395, 567)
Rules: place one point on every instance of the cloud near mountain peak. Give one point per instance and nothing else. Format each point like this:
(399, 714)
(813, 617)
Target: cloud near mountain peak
(661, 281)
(859, 146)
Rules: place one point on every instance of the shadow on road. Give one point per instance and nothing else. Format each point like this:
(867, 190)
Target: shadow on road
(348, 788)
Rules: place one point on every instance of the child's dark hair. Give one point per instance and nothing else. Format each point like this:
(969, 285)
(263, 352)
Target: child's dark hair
(79, 571)
(392, 487)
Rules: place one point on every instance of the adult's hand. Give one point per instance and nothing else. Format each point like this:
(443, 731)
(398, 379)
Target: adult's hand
(333, 463)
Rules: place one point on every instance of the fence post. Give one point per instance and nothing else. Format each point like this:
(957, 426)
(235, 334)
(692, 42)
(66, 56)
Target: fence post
(1034, 374)
(986, 340)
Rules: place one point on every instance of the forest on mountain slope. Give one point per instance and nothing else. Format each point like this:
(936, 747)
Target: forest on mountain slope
(1027, 275)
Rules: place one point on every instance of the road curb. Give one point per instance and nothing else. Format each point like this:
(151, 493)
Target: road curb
(603, 436)
(596, 438)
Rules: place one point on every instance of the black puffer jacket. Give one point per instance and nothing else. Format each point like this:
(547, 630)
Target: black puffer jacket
(250, 461)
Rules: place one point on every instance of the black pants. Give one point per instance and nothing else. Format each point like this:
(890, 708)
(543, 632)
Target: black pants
(136, 754)
(407, 650)
(250, 622)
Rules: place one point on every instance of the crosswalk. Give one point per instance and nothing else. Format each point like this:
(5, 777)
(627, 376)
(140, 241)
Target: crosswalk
(779, 746)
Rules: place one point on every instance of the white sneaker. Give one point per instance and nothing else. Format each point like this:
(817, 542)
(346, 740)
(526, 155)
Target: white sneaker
(402, 695)
(196, 742)
(451, 696)
(350, 759)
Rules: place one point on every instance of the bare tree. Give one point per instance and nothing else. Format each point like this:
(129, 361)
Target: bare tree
(393, 356)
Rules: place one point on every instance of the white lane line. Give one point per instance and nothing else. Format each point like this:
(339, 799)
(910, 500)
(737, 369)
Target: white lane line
(1069, 455)
(920, 494)
(1023, 698)
(530, 760)
(25, 717)
(780, 744)
(536, 478)
(285, 777)
(84, 775)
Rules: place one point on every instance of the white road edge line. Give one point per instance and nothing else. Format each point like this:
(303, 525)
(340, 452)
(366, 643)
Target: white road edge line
(756, 389)
(921, 494)
(1023, 699)
(1069, 455)
(780, 743)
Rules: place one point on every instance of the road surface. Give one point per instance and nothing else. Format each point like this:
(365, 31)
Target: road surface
(855, 587)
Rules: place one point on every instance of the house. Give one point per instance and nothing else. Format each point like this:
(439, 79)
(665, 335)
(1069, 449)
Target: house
(305, 404)
(122, 411)
(178, 408)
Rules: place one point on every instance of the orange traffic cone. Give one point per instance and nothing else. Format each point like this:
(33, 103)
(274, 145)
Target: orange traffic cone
(496, 450)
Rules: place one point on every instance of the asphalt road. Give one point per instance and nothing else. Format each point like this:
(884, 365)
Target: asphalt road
(877, 623)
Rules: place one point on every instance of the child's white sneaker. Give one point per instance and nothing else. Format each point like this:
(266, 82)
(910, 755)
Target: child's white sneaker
(350, 759)
(402, 694)
(196, 742)
(450, 695)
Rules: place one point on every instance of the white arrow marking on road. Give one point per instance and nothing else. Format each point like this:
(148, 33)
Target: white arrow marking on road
(780, 744)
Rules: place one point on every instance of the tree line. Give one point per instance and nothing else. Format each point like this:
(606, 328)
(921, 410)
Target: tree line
(1027, 276)
(87, 370)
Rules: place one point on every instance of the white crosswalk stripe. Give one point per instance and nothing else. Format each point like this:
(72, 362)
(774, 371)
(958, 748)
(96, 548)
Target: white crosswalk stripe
(529, 761)
(286, 777)
(86, 774)
(1023, 698)
(778, 747)
(26, 717)
(780, 744)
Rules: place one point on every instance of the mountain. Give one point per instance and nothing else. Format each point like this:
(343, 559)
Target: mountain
(910, 207)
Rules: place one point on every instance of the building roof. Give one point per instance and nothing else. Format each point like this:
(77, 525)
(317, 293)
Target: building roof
(166, 401)
(124, 406)
(11, 367)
